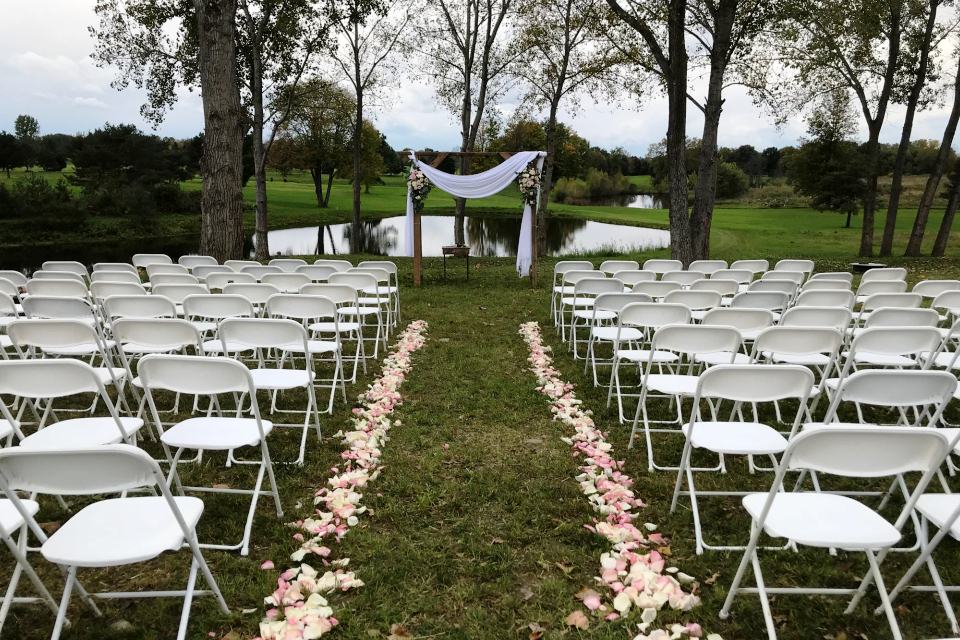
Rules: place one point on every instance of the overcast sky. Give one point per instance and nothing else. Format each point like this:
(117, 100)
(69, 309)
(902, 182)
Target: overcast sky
(46, 71)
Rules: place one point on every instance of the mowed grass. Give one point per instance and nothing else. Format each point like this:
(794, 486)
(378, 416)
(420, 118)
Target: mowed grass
(475, 527)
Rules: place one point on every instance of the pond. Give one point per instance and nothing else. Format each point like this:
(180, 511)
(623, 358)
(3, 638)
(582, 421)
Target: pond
(634, 201)
(486, 237)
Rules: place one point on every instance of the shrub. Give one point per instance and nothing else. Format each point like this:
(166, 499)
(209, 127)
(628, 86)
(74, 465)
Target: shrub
(732, 182)
(32, 196)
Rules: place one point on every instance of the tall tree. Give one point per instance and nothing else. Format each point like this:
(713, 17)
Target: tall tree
(467, 59)
(917, 52)
(933, 180)
(26, 127)
(946, 224)
(564, 55)
(662, 27)
(846, 43)
(369, 35)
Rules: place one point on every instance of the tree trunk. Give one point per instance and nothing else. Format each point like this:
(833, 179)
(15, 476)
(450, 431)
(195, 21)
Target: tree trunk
(357, 148)
(459, 221)
(896, 184)
(946, 225)
(933, 181)
(546, 180)
(317, 176)
(320, 247)
(221, 233)
(326, 198)
(870, 195)
(680, 241)
(849, 217)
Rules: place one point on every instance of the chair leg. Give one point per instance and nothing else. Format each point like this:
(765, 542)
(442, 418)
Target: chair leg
(888, 609)
(187, 601)
(764, 599)
(64, 603)
(18, 550)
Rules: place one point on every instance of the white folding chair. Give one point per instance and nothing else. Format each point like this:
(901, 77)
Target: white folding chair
(582, 314)
(749, 322)
(109, 532)
(115, 266)
(635, 325)
(726, 288)
(166, 269)
(885, 300)
(815, 347)
(796, 277)
(775, 301)
(173, 278)
(933, 288)
(686, 342)
(144, 260)
(802, 266)
(659, 265)
(836, 317)
(340, 265)
(683, 278)
(880, 273)
(559, 287)
(369, 306)
(57, 288)
(610, 267)
(237, 265)
(869, 288)
(738, 384)
(257, 293)
(603, 326)
(947, 305)
(385, 287)
(340, 328)
(260, 270)
(206, 311)
(742, 277)
(288, 265)
(656, 289)
(819, 284)
(831, 521)
(203, 271)
(568, 279)
(193, 261)
(13, 531)
(699, 302)
(287, 282)
(826, 298)
(316, 273)
(632, 277)
(177, 293)
(753, 266)
(278, 341)
(129, 277)
(898, 317)
(218, 280)
(45, 274)
(16, 277)
(707, 266)
(846, 276)
(138, 307)
(100, 290)
(213, 377)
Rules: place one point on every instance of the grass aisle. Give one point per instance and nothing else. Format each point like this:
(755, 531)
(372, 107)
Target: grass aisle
(477, 526)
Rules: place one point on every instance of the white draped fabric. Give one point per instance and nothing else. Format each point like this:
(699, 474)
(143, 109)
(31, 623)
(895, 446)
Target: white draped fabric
(481, 185)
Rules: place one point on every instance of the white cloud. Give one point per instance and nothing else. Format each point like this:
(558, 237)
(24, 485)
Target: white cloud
(90, 102)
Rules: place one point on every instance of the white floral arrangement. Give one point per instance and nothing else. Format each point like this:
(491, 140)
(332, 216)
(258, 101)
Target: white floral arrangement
(419, 188)
(529, 182)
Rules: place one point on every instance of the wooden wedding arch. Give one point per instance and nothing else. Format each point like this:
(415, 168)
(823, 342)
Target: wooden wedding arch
(435, 159)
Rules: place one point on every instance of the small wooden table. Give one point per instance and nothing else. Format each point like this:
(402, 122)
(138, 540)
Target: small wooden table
(455, 251)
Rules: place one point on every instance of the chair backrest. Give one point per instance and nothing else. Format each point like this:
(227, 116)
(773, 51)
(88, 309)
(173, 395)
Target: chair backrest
(782, 286)
(359, 281)
(287, 282)
(895, 341)
(819, 284)
(654, 314)
(15, 277)
(260, 270)
(382, 275)
(177, 292)
(892, 388)
(139, 307)
(264, 333)
(658, 265)
(115, 276)
(796, 277)
(948, 301)
(301, 307)
(58, 307)
(571, 277)
(317, 272)
(60, 288)
(685, 278)
(880, 300)
(707, 266)
(612, 266)
(115, 266)
(753, 266)
(694, 339)
(835, 317)
(8, 307)
(220, 280)
(741, 276)
(193, 261)
(9, 288)
(899, 317)
(173, 278)
(770, 300)
(71, 266)
(633, 276)
(390, 267)
(202, 271)
(803, 266)
(826, 298)
(881, 286)
(338, 293)
(217, 306)
(933, 288)
(755, 382)
(157, 269)
(198, 375)
(798, 341)
(740, 319)
(48, 378)
(102, 290)
(656, 289)
(341, 265)
(592, 286)
(846, 276)
(54, 334)
(44, 274)
(143, 260)
(288, 265)
(696, 300)
(105, 469)
(615, 302)
(888, 273)
(162, 334)
(563, 266)
(237, 265)
(723, 287)
(257, 293)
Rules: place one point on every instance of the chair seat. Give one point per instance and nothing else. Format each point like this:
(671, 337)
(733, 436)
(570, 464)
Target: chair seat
(108, 374)
(609, 334)
(84, 349)
(576, 302)
(722, 357)
(882, 359)
(138, 348)
(592, 314)
(562, 290)
(5, 429)
(358, 311)
(215, 433)
(672, 384)
(643, 355)
(938, 507)
(805, 359)
(329, 327)
(204, 326)
(813, 426)
(740, 438)
(823, 520)
(373, 301)
(943, 359)
(281, 378)
(121, 531)
(10, 518)
(215, 346)
(315, 346)
(382, 290)
(749, 335)
(81, 432)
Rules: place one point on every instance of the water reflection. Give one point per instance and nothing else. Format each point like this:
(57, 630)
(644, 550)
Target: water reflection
(494, 237)
(636, 201)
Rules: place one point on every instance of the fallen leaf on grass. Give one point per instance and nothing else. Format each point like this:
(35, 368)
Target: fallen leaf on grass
(398, 632)
(712, 578)
(536, 631)
(496, 541)
(526, 592)
(590, 598)
(566, 568)
(578, 620)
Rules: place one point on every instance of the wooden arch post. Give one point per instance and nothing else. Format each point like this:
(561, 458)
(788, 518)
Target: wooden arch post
(435, 159)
